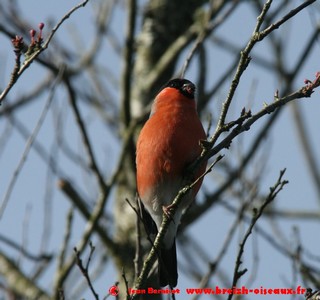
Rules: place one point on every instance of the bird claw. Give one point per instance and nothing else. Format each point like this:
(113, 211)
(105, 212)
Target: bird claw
(168, 211)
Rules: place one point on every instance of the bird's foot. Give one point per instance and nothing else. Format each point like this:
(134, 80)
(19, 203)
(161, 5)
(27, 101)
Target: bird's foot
(168, 211)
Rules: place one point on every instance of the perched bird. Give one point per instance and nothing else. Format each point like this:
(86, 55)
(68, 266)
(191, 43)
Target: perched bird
(168, 143)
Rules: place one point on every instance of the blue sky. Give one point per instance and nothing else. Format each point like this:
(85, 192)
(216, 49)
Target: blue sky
(256, 87)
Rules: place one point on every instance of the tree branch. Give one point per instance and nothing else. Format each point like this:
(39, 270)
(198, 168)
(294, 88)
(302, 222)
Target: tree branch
(257, 214)
(29, 60)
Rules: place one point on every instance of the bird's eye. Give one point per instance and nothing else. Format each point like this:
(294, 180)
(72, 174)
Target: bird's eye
(188, 88)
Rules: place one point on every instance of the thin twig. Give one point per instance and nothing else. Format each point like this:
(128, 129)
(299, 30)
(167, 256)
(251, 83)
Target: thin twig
(306, 144)
(214, 265)
(85, 270)
(139, 219)
(37, 258)
(260, 136)
(244, 125)
(257, 36)
(128, 60)
(30, 142)
(257, 214)
(205, 32)
(93, 165)
(243, 63)
(66, 239)
(19, 282)
(34, 55)
(92, 225)
(126, 283)
(288, 16)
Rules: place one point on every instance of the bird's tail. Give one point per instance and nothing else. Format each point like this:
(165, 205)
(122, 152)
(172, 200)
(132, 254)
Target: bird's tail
(167, 266)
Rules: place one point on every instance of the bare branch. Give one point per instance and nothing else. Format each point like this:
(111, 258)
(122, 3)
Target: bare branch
(37, 52)
(128, 59)
(257, 36)
(30, 143)
(85, 270)
(20, 283)
(66, 240)
(243, 63)
(206, 30)
(257, 214)
(41, 257)
(304, 92)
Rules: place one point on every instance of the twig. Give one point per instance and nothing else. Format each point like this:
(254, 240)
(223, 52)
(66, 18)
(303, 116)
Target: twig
(138, 257)
(304, 92)
(243, 63)
(93, 218)
(37, 52)
(214, 265)
(259, 138)
(41, 257)
(30, 142)
(37, 147)
(312, 295)
(92, 225)
(208, 170)
(205, 33)
(61, 295)
(293, 214)
(288, 16)
(257, 214)
(19, 282)
(139, 217)
(126, 283)
(66, 239)
(25, 228)
(286, 252)
(305, 141)
(128, 60)
(85, 270)
(257, 36)
(85, 137)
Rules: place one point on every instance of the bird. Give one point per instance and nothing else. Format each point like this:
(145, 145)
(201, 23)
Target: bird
(168, 143)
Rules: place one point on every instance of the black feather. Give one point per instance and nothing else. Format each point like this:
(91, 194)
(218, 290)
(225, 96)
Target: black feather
(167, 266)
